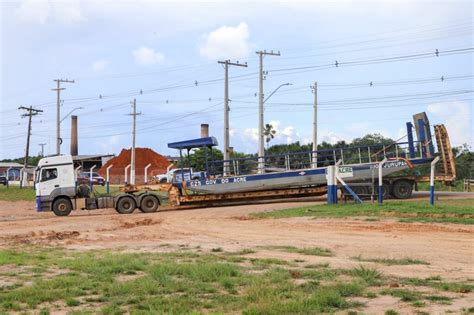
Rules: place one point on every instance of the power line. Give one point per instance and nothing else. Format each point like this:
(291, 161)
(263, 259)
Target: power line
(30, 113)
(226, 64)
(336, 63)
(261, 145)
(58, 112)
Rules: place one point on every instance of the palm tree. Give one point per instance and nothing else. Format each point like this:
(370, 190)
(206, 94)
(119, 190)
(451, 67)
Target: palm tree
(269, 133)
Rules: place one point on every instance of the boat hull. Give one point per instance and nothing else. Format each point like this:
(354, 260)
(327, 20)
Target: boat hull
(295, 178)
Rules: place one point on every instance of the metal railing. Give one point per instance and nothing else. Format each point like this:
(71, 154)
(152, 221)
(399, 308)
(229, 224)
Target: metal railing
(304, 160)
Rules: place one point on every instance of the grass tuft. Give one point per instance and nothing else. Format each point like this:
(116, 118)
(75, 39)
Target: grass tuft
(393, 261)
(370, 275)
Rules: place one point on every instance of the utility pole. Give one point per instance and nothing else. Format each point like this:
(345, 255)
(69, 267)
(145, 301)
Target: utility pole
(314, 162)
(58, 89)
(226, 64)
(42, 148)
(261, 140)
(30, 113)
(132, 162)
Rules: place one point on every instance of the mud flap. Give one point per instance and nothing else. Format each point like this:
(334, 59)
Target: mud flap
(38, 204)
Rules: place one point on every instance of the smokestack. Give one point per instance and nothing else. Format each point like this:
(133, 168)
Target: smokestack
(74, 145)
(204, 130)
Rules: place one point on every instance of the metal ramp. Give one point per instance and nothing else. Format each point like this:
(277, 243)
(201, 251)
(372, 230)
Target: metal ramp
(448, 167)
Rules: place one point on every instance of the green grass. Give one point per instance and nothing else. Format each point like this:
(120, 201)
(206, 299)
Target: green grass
(438, 283)
(188, 281)
(312, 251)
(181, 282)
(393, 261)
(458, 186)
(14, 193)
(370, 275)
(459, 211)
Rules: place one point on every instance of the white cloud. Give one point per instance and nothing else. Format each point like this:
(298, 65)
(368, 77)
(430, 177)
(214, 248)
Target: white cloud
(332, 137)
(100, 65)
(147, 56)
(112, 144)
(68, 11)
(250, 134)
(227, 42)
(457, 118)
(40, 11)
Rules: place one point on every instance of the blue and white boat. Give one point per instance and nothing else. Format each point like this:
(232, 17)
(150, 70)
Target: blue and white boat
(306, 169)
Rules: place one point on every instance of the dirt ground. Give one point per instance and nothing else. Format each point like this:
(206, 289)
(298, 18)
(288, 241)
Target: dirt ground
(449, 248)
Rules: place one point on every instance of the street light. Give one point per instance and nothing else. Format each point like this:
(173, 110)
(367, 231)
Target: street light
(280, 86)
(261, 148)
(70, 113)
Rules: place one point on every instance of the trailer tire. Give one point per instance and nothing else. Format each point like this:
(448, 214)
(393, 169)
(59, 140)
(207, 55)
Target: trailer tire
(149, 204)
(163, 180)
(402, 189)
(62, 207)
(360, 190)
(126, 205)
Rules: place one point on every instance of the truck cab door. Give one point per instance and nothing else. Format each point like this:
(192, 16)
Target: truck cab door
(48, 181)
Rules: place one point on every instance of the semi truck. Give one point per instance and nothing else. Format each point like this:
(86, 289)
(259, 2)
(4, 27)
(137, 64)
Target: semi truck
(57, 190)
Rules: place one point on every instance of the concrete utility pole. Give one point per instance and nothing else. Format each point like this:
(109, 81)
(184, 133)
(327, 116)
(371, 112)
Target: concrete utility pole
(42, 148)
(226, 64)
(58, 112)
(314, 162)
(132, 162)
(261, 140)
(30, 113)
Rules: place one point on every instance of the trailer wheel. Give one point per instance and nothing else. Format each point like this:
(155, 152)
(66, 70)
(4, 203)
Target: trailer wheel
(149, 204)
(402, 189)
(126, 205)
(360, 190)
(62, 207)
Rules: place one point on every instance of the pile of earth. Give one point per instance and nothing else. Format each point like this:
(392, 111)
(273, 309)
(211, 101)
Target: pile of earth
(143, 157)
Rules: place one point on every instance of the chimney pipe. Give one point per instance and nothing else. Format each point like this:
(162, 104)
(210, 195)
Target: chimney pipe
(74, 144)
(204, 130)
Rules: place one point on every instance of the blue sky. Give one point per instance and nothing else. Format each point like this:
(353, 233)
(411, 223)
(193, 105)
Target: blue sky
(115, 49)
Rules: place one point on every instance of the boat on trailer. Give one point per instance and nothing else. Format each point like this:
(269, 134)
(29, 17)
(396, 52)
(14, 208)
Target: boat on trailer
(305, 169)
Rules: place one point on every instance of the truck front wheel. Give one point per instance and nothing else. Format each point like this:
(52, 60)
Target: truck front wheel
(402, 189)
(149, 204)
(62, 207)
(126, 205)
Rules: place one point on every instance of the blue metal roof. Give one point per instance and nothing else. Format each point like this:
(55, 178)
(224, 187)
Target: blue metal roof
(194, 143)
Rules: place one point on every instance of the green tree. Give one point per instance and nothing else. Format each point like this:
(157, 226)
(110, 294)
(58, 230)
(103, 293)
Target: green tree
(269, 132)
(197, 160)
(464, 161)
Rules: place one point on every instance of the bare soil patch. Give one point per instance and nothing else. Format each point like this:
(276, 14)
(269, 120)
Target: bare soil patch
(447, 247)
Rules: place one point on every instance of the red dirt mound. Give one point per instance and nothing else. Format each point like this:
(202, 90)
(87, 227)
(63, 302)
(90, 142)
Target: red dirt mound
(143, 156)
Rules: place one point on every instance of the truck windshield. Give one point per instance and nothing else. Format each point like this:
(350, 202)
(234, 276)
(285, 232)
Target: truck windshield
(37, 177)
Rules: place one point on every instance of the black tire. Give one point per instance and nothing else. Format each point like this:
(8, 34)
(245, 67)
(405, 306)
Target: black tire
(149, 204)
(402, 189)
(62, 207)
(126, 205)
(360, 190)
(163, 180)
(386, 191)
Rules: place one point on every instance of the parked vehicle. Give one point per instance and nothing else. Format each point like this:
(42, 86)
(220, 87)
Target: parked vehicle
(3, 180)
(175, 175)
(96, 178)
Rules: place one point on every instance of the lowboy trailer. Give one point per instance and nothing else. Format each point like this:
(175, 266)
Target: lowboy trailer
(301, 174)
